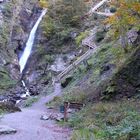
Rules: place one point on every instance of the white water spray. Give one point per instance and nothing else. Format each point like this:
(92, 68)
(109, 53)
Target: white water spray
(29, 44)
(27, 51)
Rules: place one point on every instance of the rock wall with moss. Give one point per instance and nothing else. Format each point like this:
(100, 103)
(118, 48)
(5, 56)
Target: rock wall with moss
(126, 82)
(14, 27)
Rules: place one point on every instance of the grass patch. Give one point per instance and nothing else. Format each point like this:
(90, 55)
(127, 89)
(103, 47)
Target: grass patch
(1, 112)
(107, 121)
(73, 95)
(81, 36)
(6, 81)
(30, 101)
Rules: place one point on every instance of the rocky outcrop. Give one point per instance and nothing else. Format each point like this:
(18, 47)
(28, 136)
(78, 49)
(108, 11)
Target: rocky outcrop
(126, 82)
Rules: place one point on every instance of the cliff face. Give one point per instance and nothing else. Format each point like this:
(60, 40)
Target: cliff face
(14, 28)
(126, 82)
(8, 61)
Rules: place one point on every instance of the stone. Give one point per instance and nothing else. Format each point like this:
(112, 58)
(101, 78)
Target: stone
(70, 111)
(50, 107)
(59, 117)
(44, 117)
(56, 117)
(6, 130)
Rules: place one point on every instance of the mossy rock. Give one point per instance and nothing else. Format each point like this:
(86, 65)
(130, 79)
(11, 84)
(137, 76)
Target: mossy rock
(9, 107)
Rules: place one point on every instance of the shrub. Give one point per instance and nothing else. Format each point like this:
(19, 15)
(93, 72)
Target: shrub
(100, 36)
(113, 9)
(80, 37)
(75, 21)
(48, 26)
(30, 101)
(107, 121)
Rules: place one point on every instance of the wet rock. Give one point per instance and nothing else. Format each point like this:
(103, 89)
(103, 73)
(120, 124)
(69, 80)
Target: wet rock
(34, 91)
(44, 117)
(6, 130)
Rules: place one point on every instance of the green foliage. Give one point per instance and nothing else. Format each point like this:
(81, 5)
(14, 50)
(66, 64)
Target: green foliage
(67, 13)
(80, 37)
(63, 17)
(8, 10)
(107, 121)
(6, 81)
(3, 36)
(75, 95)
(83, 134)
(48, 26)
(63, 36)
(48, 58)
(100, 36)
(57, 101)
(52, 30)
(1, 112)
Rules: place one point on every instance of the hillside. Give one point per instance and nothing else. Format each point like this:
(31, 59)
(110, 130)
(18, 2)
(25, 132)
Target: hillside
(83, 52)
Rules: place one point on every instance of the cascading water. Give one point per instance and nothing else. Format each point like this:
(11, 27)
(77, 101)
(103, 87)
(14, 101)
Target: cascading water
(27, 51)
(29, 44)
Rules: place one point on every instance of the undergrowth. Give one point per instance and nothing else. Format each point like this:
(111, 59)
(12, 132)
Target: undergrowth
(30, 101)
(107, 121)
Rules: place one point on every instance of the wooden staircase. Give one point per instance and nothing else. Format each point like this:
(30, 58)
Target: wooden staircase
(86, 42)
(85, 56)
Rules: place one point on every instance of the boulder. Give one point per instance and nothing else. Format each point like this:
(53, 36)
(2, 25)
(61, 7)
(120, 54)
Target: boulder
(44, 117)
(6, 130)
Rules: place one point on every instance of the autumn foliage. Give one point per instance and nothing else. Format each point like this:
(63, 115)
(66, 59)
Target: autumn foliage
(126, 17)
(43, 3)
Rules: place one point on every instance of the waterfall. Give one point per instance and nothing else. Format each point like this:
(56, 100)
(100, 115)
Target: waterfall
(29, 44)
(27, 51)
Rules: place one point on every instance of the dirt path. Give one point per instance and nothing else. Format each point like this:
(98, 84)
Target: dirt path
(30, 127)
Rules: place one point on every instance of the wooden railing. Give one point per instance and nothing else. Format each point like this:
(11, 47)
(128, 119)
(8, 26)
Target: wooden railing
(75, 63)
(86, 42)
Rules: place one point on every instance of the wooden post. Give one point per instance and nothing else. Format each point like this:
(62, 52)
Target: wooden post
(65, 110)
